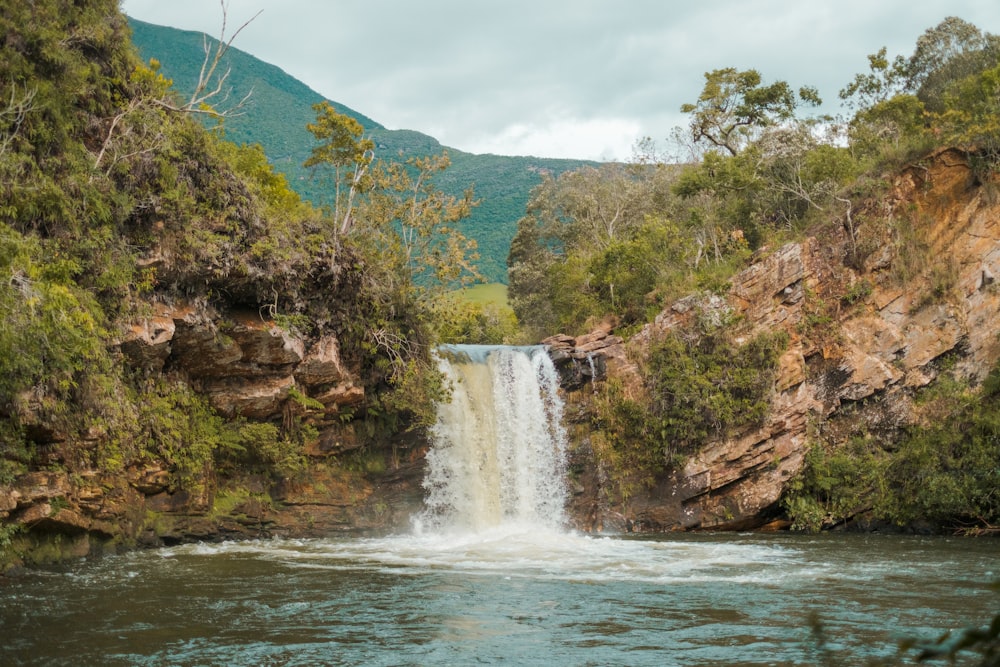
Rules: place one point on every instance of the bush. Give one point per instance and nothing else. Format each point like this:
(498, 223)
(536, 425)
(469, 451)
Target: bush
(942, 471)
(703, 384)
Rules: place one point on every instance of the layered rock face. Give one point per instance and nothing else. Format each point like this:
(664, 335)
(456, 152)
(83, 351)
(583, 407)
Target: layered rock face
(868, 327)
(246, 367)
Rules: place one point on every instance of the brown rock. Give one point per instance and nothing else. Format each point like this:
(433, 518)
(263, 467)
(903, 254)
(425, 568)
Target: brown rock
(9, 499)
(147, 343)
(322, 364)
(36, 486)
(341, 396)
(252, 397)
(152, 481)
(264, 343)
(32, 514)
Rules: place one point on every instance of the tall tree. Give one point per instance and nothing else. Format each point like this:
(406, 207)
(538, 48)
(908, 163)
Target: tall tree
(735, 106)
(949, 52)
(343, 149)
(885, 79)
(581, 235)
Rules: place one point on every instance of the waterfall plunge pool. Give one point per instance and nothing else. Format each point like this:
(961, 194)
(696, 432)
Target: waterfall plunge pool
(501, 597)
(489, 576)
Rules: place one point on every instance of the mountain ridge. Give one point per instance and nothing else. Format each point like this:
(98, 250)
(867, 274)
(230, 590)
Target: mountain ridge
(280, 106)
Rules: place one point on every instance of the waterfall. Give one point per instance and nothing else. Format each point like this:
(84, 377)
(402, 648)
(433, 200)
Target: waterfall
(498, 451)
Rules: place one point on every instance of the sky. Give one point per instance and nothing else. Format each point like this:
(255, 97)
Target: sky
(579, 79)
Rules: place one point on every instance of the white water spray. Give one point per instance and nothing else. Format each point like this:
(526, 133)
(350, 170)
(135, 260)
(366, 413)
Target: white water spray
(498, 457)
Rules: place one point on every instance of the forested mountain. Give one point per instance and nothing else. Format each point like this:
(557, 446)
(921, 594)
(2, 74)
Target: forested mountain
(279, 107)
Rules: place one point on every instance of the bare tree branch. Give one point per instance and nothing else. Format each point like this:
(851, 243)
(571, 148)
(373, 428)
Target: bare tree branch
(210, 84)
(12, 116)
(209, 88)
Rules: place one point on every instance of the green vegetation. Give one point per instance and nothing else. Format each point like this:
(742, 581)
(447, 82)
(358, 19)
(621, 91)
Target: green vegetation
(114, 196)
(476, 317)
(280, 107)
(495, 293)
(596, 241)
(940, 472)
(704, 384)
(700, 384)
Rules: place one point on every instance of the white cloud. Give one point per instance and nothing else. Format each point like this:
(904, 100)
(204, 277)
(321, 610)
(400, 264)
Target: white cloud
(592, 139)
(487, 75)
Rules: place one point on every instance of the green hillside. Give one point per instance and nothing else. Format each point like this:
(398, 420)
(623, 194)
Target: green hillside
(276, 114)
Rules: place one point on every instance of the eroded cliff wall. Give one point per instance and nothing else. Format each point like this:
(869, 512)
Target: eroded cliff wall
(871, 308)
(248, 368)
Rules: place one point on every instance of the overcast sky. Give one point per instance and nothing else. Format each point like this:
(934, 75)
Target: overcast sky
(558, 78)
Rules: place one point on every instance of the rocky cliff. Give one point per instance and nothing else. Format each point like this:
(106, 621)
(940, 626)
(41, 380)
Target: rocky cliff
(869, 326)
(247, 367)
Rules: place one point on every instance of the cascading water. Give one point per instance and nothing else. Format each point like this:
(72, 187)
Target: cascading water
(498, 457)
(489, 578)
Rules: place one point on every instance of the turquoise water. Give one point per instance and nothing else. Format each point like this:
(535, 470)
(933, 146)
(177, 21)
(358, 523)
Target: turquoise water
(489, 577)
(501, 598)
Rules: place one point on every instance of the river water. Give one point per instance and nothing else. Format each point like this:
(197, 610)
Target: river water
(488, 576)
(500, 598)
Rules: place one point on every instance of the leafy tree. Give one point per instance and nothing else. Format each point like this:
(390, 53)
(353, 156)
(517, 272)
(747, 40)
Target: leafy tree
(571, 223)
(734, 106)
(627, 274)
(884, 80)
(941, 89)
(772, 184)
(972, 118)
(770, 170)
(945, 54)
(405, 245)
(405, 212)
(342, 148)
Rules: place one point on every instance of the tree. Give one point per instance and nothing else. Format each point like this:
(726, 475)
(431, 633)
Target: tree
(735, 106)
(128, 136)
(209, 90)
(570, 223)
(899, 100)
(971, 119)
(772, 183)
(20, 103)
(409, 217)
(945, 54)
(342, 149)
(885, 80)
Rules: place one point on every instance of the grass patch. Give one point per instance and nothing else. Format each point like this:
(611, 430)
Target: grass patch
(495, 293)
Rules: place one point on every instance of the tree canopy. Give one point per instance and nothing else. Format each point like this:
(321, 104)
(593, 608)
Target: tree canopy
(735, 107)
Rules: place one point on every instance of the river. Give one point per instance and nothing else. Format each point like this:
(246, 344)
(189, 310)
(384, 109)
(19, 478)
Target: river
(500, 599)
(488, 575)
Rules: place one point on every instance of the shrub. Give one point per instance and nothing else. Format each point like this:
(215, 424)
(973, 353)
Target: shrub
(704, 384)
